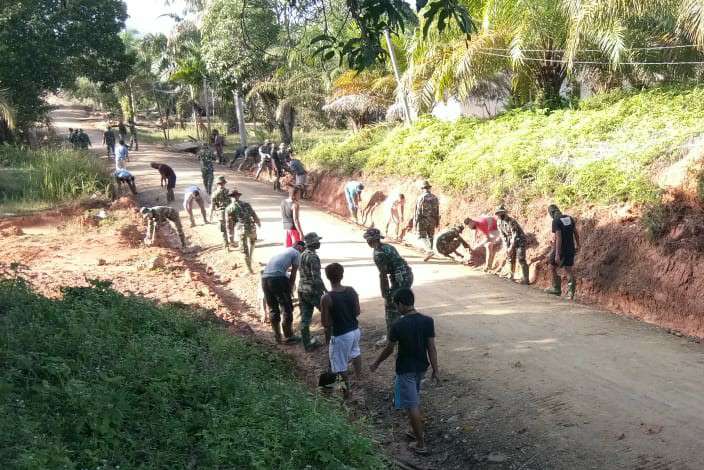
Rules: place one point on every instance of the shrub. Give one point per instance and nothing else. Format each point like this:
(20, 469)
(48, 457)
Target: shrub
(100, 380)
(599, 152)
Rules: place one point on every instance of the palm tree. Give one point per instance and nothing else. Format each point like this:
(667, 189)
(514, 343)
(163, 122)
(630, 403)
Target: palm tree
(7, 117)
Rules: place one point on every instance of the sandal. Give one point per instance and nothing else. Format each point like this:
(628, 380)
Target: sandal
(418, 450)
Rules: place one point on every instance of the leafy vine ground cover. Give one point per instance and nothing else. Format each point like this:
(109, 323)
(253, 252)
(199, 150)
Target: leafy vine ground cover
(600, 151)
(102, 380)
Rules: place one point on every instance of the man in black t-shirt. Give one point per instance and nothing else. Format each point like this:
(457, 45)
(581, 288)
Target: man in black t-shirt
(565, 244)
(415, 335)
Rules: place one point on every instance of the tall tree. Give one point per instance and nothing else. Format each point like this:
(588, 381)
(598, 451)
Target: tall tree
(47, 44)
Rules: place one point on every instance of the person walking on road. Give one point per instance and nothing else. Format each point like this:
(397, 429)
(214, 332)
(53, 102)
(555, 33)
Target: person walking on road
(83, 140)
(122, 155)
(242, 219)
(514, 242)
(427, 218)
(220, 201)
(159, 215)
(449, 241)
(353, 196)
(487, 226)
(168, 176)
(565, 244)
(122, 130)
(133, 135)
(192, 195)
(219, 146)
(206, 158)
(394, 274)
(340, 311)
(277, 285)
(310, 288)
(109, 141)
(290, 209)
(415, 335)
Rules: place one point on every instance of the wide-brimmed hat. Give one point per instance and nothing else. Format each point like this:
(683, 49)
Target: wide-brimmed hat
(459, 227)
(500, 210)
(372, 234)
(221, 179)
(311, 238)
(425, 184)
(235, 193)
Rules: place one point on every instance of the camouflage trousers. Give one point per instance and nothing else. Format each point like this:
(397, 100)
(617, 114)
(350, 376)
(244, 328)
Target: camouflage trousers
(401, 280)
(307, 302)
(208, 178)
(247, 242)
(426, 234)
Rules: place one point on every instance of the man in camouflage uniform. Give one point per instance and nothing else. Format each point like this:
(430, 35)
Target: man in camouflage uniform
(514, 242)
(220, 201)
(159, 215)
(206, 157)
(394, 274)
(427, 218)
(450, 240)
(240, 215)
(310, 288)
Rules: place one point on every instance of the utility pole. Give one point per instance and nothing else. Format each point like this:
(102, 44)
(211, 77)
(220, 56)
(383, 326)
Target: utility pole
(402, 89)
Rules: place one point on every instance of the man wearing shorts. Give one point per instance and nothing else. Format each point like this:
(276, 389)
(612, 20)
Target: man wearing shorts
(340, 310)
(193, 195)
(394, 206)
(289, 216)
(353, 196)
(277, 285)
(168, 176)
(486, 225)
(415, 335)
(565, 244)
(298, 170)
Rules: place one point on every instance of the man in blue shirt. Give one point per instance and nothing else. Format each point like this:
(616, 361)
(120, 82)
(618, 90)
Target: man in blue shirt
(353, 196)
(278, 286)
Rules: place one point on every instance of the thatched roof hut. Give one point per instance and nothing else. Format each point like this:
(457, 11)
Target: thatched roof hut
(360, 109)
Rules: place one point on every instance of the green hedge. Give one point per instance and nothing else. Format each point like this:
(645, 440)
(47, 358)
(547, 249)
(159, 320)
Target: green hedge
(100, 380)
(600, 151)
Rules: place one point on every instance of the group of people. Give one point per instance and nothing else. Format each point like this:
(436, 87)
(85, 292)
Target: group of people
(78, 139)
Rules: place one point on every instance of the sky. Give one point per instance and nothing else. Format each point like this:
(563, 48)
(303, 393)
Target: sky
(144, 15)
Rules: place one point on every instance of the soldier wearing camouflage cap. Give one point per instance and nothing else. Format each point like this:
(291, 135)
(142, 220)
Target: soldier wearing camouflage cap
(394, 274)
(427, 218)
(241, 218)
(206, 158)
(310, 288)
(514, 242)
(220, 201)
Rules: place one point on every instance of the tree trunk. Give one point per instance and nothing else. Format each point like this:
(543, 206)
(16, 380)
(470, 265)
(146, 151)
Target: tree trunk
(240, 117)
(193, 106)
(131, 98)
(286, 120)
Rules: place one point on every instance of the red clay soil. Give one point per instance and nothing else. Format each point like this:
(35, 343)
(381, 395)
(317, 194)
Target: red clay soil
(618, 268)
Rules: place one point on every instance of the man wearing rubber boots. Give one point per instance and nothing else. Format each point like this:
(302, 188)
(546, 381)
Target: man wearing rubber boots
(514, 242)
(427, 218)
(565, 244)
(221, 199)
(394, 274)
(310, 288)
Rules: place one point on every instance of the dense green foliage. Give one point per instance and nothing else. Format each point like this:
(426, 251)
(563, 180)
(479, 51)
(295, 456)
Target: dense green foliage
(99, 380)
(46, 44)
(49, 175)
(601, 151)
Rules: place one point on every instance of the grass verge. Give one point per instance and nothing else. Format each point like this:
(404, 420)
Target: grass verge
(602, 151)
(36, 179)
(100, 380)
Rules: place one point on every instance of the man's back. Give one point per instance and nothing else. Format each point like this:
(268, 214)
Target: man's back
(279, 264)
(412, 332)
(565, 224)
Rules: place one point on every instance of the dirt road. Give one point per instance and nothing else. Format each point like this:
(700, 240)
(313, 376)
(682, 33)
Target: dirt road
(532, 382)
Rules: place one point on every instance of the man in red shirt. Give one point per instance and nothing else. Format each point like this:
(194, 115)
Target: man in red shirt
(486, 226)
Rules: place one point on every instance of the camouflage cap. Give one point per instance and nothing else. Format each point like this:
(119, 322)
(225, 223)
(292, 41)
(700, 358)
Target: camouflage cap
(500, 210)
(221, 180)
(311, 238)
(372, 234)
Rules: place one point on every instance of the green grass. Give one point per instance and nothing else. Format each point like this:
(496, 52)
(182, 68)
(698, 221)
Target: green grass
(100, 380)
(599, 152)
(31, 179)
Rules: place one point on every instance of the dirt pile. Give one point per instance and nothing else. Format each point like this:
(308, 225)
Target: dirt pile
(619, 267)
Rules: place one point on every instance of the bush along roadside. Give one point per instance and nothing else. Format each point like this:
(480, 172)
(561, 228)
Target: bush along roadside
(603, 151)
(48, 176)
(100, 380)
